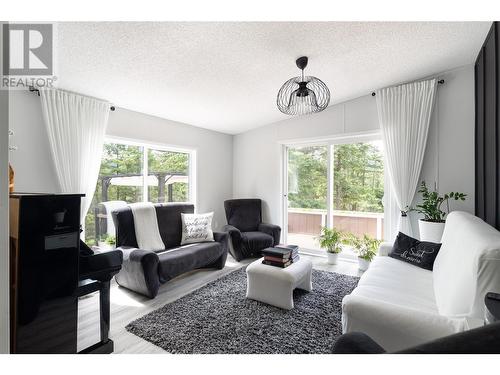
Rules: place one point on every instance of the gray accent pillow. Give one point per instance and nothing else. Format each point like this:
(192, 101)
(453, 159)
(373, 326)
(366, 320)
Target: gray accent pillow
(196, 228)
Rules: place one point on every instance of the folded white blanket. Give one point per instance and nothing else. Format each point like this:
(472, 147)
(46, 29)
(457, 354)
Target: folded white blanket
(146, 227)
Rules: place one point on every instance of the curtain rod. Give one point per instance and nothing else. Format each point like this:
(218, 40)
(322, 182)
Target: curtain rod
(37, 92)
(441, 81)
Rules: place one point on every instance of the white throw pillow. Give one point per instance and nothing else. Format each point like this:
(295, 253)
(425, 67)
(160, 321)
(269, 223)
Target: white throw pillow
(196, 228)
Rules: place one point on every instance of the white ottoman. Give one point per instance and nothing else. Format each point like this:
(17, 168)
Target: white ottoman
(274, 285)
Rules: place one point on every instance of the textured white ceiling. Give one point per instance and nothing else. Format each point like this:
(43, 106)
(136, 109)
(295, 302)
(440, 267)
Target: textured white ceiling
(225, 76)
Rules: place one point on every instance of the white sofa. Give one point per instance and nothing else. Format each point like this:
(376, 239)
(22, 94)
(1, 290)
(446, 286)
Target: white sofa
(400, 305)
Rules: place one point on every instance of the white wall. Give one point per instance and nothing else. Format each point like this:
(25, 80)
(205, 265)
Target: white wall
(4, 215)
(32, 162)
(449, 157)
(35, 173)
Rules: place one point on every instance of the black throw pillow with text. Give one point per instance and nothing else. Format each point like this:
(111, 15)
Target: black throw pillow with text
(419, 253)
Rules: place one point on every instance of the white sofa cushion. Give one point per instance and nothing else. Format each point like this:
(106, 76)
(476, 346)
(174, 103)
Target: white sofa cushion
(398, 283)
(467, 266)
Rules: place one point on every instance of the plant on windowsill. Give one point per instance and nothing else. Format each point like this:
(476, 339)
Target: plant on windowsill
(111, 240)
(366, 248)
(330, 240)
(108, 242)
(432, 225)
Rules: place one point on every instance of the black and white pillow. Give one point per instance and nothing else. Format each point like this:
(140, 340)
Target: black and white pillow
(196, 228)
(419, 253)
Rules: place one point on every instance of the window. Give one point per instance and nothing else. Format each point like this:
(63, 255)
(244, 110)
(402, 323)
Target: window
(358, 189)
(333, 184)
(169, 176)
(131, 173)
(307, 194)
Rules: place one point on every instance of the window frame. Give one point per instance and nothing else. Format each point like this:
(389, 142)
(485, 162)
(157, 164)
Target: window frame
(146, 146)
(330, 142)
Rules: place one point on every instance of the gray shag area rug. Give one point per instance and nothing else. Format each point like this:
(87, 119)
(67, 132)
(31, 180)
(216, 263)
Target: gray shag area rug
(217, 318)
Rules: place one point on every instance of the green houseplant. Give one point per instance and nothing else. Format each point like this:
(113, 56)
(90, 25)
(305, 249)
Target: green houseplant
(366, 247)
(331, 240)
(107, 242)
(432, 225)
(111, 240)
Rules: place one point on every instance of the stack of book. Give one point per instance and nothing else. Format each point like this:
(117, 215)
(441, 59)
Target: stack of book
(281, 256)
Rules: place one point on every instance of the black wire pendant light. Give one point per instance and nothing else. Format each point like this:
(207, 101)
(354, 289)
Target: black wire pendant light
(303, 94)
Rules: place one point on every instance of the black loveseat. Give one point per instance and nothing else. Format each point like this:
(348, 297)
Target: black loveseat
(143, 270)
(248, 235)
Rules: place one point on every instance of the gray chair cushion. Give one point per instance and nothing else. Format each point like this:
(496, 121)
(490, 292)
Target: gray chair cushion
(254, 242)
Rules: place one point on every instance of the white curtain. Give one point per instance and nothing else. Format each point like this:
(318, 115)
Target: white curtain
(404, 114)
(76, 127)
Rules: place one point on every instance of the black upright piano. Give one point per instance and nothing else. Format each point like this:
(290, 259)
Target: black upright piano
(50, 268)
(44, 256)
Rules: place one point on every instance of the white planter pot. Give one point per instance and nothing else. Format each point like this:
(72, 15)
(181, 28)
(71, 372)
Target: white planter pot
(363, 264)
(430, 232)
(332, 258)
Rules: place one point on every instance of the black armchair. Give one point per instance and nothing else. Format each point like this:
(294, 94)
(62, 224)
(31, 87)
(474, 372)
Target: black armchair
(248, 236)
(482, 340)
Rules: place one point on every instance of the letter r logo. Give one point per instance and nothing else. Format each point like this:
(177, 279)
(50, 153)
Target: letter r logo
(27, 49)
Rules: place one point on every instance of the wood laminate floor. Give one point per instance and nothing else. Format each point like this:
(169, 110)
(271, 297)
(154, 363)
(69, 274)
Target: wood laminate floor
(127, 306)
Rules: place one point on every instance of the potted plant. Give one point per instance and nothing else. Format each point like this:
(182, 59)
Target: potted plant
(366, 248)
(432, 225)
(330, 240)
(108, 243)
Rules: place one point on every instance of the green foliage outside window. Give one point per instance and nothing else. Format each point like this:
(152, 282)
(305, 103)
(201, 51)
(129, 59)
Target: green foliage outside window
(307, 181)
(127, 160)
(358, 177)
